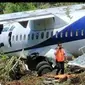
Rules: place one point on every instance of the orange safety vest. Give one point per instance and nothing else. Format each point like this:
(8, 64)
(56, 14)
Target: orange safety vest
(60, 55)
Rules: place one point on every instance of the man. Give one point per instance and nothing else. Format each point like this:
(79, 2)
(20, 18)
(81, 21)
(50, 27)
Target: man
(60, 58)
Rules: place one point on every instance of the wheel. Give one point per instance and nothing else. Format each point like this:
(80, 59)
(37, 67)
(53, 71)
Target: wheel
(44, 69)
(40, 64)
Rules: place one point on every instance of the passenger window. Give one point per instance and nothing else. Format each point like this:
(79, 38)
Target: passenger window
(28, 36)
(57, 34)
(16, 37)
(32, 36)
(24, 37)
(13, 37)
(66, 34)
(37, 35)
(51, 33)
(20, 37)
(82, 32)
(61, 34)
(53, 18)
(42, 35)
(71, 34)
(76, 32)
(47, 34)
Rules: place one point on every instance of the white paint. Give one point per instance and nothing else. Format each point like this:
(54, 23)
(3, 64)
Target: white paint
(61, 21)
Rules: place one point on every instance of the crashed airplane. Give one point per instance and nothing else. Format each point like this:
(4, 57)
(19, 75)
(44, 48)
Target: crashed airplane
(38, 32)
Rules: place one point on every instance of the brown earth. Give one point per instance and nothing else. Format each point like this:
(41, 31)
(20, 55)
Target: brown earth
(77, 79)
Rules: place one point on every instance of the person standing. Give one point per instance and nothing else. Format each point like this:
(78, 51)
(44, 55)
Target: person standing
(60, 58)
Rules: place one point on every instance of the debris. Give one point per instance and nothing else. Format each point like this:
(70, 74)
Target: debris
(12, 68)
(80, 61)
(47, 82)
(58, 78)
(17, 69)
(14, 83)
(75, 80)
(16, 62)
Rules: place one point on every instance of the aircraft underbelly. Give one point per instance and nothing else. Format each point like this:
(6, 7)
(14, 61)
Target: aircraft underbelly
(73, 46)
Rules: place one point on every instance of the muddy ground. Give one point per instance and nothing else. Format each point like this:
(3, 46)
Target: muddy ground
(33, 79)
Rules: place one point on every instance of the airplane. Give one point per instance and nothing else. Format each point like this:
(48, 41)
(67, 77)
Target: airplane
(37, 34)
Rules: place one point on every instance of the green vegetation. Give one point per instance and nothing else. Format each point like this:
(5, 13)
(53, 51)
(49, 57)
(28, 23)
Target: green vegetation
(9, 66)
(68, 13)
(22, 6)
(11, 7)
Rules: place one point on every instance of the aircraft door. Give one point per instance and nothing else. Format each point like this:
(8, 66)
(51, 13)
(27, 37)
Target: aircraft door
(5, 39)
(9, 38)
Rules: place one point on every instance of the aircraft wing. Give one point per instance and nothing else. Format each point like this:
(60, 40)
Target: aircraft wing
(31, 17)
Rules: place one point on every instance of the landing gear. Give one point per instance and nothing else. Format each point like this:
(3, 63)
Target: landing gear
(39, 64)
(43, 67)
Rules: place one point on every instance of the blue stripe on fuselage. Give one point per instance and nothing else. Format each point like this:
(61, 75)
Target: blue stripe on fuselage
(77, 25)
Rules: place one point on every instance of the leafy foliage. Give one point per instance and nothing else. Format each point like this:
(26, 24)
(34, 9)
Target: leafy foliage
(11, 7)
(16, 7)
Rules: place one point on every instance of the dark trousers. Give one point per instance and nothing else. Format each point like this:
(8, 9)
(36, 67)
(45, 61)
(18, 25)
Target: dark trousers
(60, 67)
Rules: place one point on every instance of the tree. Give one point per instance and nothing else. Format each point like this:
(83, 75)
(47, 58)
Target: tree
(2, 6)
(17, 7)
(22, 6)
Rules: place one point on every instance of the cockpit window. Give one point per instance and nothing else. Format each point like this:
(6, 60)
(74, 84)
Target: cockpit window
(5, 29)
(8, 28)
(12, 27)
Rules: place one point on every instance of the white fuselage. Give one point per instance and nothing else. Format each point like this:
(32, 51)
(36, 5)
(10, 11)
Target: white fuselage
(27, 40)
(42, 34)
